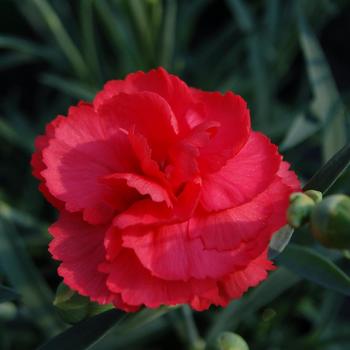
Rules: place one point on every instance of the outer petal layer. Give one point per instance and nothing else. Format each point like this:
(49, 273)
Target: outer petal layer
(80, 248)
(37, 163)
(85, 149)
(138, 287)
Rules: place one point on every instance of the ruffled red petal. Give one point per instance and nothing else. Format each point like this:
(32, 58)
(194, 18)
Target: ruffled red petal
(85, 149)
(79, 247)
(231, 113)
(243, 177)
(41, 142)
(173, 90)
(138, 287)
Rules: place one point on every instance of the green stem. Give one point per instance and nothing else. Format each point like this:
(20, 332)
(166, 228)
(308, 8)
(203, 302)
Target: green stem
(194, 340)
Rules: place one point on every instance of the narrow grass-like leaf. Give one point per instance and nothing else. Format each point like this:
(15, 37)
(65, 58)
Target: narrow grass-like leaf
(7, 294)
(89, 39)
(209, 49)
(245, 21)
(63, 39)
(84, 334)
(312, 266)
(242, 14)
(272, 15)
(123, 42)
(168, 36)
(25, 46)
(142, 25)
(277, 283)
(190, 13)
(11, 135)
(156, 15)
(24, 277)
(87, 333)
(21, 218)
(327, 103)
(134, 339)
(69, 86)
(14, 59)
(143, 317)
(303, 127)
(326, 106)
(330, 172)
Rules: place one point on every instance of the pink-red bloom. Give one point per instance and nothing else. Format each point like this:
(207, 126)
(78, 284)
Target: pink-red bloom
(166, 195)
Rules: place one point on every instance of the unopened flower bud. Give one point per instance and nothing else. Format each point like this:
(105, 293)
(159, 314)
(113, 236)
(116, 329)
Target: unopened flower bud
(301, 205)
(231, 341)
(330, 222)
(316, 196)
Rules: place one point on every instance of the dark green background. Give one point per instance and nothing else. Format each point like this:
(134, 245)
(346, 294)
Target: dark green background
(289, 59)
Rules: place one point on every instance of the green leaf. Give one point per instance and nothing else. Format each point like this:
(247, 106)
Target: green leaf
(272, 17)
(242, 14)
(326, 106)
(257, 64)
(302, 128)
(280, 240)
(312, 266)
(21, 218)
(87, 333)
(14, 59)
(330, 172)
(168, 36)
(11, 135)
(7, 294)
(70, 87)
(21, 273)
(120, 36)
(327, 103)
(73, 307)
(25, 47)
(84, 334)
(277, 283)
(190, 13)
(142, 24)
(89, 39)
(63, 39)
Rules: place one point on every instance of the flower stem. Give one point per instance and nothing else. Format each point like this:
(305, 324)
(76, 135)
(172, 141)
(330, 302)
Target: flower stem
(194, 340)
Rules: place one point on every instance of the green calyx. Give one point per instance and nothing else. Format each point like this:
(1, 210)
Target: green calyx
(231, 341)
(301, 205)
(330, 222)
(73, 307)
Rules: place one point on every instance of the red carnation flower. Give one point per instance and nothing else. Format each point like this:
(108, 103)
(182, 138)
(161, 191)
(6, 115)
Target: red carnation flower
(166, 195)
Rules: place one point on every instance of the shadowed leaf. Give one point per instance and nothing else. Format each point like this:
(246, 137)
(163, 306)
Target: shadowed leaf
(7, 294)
(22, 274)
(309, 264)
(326, 105)
(329, 173)
(87, 333)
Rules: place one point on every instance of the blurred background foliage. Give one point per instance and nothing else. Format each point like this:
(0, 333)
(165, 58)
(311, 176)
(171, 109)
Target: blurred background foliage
(289, 59)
